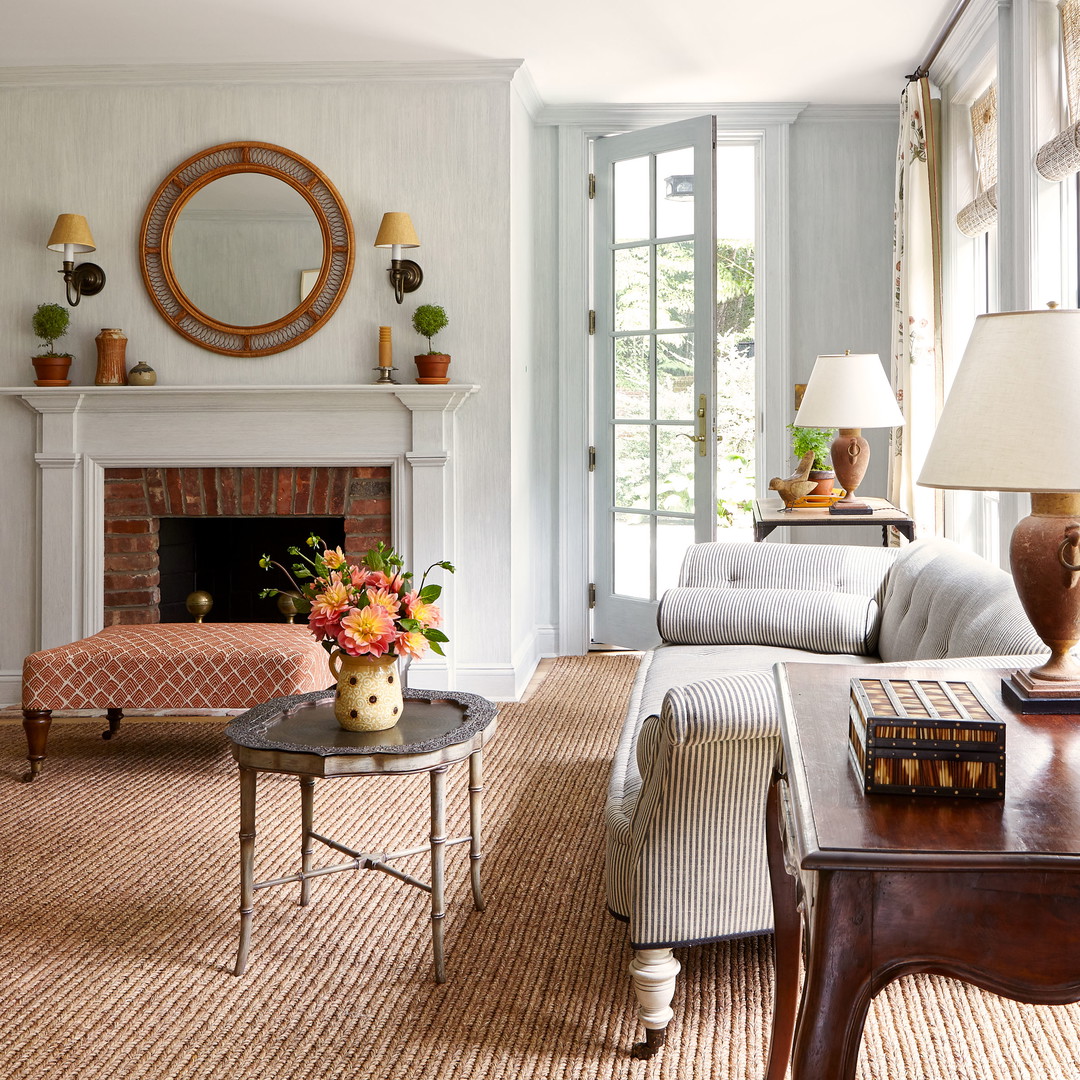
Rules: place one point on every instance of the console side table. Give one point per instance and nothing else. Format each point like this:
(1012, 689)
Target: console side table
(980, 890)
(769, 513)
(299, 735)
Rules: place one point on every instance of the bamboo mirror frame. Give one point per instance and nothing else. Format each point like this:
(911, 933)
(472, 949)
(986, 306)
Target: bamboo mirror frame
(174, 193)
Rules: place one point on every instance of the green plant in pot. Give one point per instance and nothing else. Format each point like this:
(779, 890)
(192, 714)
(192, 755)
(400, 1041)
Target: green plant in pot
(805, 439)
(50, 323)
(428, 320)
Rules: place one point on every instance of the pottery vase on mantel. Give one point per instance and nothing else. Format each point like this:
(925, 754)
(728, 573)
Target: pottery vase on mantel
(368, 696)
(111, 368)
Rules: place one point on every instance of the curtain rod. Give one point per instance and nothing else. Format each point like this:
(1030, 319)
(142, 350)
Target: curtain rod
(950, 24)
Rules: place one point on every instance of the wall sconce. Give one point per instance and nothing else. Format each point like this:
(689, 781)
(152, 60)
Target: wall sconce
(71, 234)
(397, 232)
(679, 188)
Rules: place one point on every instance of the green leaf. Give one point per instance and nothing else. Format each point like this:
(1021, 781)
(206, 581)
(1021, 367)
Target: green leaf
(430, 593)
(408, 624)
(435, 635)
(435, 648)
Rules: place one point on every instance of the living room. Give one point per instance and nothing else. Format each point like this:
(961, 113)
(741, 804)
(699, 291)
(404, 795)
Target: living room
(490, 156)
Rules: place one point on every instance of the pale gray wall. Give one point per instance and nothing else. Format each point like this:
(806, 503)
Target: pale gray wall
(841, 280)
(438, 150)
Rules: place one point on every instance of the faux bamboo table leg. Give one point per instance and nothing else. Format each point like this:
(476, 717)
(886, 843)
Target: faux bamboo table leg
(476, 795)
(438, 868)
(247, 864)
(307, 845)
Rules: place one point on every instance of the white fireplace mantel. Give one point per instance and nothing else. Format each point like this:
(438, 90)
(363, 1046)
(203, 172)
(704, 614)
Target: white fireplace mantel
(83, 430)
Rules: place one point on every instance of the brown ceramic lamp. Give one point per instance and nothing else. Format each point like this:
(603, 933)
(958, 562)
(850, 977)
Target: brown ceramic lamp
(1008, 425)
(849, 392)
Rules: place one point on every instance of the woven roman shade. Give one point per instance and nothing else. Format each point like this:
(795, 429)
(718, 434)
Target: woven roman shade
(981, 212)
(1060, 157)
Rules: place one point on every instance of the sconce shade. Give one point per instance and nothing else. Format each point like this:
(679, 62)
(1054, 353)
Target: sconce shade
(396, 229)
(71, 229)
(1009, 423)
(848, 391)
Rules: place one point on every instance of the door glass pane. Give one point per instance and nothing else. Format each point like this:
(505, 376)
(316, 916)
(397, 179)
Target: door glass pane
(632, 466)
(736, 413)
(675, 376)
(631, 196)
(632, 378)
(675, 284)
(632, 289)
(675, 469)
(673, 537)
(632, 543)
(675, 193)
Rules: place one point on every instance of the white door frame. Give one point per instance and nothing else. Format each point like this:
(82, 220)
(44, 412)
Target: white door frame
(769, 125)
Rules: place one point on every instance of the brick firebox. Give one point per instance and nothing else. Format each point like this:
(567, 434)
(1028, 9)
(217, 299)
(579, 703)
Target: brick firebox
(136, 498)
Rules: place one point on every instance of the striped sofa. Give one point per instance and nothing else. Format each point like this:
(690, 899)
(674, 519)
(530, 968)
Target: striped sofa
(685, 811)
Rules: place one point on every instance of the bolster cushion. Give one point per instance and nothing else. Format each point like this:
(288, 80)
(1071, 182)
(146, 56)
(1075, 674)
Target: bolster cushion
(791, 618)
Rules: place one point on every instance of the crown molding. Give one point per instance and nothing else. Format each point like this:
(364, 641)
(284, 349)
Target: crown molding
(344, 71)
(530, 97)
(975, 33)
(851, 113)
(622, 117)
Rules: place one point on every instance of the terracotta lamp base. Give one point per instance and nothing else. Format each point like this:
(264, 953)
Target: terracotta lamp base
(1045, 560)
(850, 454)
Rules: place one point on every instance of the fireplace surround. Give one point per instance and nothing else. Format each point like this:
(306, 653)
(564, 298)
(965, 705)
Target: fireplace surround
(83, 431)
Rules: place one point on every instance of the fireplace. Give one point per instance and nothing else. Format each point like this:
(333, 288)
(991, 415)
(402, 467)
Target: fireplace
(145, 507)
(83, 432)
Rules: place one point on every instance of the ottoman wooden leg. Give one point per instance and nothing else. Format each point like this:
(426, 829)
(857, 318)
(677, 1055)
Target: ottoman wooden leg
(114, 716)
(36, 723)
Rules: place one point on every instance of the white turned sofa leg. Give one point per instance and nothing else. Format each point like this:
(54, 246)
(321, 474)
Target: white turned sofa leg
(652, 973)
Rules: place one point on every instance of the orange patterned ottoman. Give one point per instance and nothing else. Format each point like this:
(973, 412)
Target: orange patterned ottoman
(167, 666)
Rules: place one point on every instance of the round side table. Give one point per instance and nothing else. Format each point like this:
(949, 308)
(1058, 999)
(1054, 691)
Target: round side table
(300, 736)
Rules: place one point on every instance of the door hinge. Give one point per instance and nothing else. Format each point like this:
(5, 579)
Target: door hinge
(592, 459)
(592, 321)
(592, 595)
(592, 185)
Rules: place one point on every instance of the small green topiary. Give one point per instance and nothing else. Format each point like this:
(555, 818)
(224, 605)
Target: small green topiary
(428, 320)
(50, 323)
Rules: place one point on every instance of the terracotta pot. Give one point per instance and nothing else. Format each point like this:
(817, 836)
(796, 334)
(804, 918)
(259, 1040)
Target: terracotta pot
(431, 367)
(52, 370)
(368, 694)
(826, 481)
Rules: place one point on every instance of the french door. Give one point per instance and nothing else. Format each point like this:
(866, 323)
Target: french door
(654, 363)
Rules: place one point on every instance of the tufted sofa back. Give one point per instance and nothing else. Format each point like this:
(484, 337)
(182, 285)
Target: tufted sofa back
(944, 601)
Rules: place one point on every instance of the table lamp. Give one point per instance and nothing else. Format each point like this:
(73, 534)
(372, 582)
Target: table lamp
(1009, 425)
(849, 392)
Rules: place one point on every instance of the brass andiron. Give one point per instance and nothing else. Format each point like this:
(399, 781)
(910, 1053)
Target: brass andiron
(286, 604)
(199, 604)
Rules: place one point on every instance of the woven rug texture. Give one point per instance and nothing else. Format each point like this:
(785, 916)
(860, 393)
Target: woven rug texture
(119, 889)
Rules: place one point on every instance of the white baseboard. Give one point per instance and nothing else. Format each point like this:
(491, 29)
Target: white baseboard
(10, 689)
(547, 640)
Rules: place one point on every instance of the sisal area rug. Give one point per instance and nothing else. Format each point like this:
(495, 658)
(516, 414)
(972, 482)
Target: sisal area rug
(118, 925)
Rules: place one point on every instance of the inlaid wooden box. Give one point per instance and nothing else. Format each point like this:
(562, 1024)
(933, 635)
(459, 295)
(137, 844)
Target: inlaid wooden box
(925, 737)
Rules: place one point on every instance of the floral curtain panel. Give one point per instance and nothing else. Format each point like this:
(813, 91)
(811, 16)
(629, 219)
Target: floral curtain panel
(916, 362)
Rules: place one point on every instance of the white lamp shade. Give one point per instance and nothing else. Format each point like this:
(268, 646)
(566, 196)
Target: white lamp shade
(1009, 423)
(848, 391)
(396, 230)
(71, 230)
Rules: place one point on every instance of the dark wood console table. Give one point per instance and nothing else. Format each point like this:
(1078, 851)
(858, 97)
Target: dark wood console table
(984, 891)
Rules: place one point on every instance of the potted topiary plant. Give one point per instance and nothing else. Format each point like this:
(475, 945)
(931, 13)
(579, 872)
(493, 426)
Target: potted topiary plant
(805, 439)
(50, 323)
(428, 320)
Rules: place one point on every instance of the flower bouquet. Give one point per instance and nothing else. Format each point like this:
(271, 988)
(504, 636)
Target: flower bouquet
(366, 616)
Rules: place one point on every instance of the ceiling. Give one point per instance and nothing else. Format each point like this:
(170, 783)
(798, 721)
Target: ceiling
(604, 51)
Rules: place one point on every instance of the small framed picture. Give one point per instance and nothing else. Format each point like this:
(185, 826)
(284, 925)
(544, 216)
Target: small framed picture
(308, 278)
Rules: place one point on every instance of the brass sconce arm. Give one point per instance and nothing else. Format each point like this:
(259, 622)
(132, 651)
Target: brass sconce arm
(86, 279)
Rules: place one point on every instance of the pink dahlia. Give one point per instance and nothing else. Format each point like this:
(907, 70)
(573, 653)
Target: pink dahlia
(335, 559)
(385, 599)
(411, 643)
(367, 631)
(424, 613)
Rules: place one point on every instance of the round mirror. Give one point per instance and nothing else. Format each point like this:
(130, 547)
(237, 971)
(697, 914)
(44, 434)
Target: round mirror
(246, 249)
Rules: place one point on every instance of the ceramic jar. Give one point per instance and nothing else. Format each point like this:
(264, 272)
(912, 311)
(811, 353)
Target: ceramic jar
(111, 369)
(142, 374)
(368, 696)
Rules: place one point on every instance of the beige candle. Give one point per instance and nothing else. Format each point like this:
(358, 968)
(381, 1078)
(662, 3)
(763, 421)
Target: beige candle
(386, 352)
